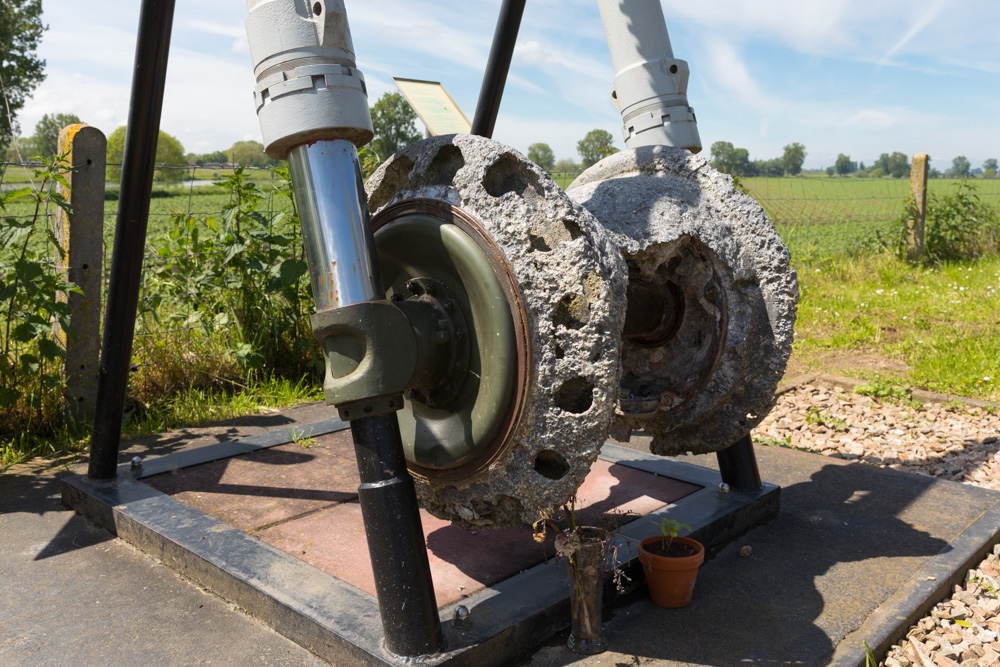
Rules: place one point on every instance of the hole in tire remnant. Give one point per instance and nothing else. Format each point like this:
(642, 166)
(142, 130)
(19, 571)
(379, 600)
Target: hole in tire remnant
(572, 311)
(508, 174)
(550, 464)
(446, 163)
(575, 395)
(395, 176)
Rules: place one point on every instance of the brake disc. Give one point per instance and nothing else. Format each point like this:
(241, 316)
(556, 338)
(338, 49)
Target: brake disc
(540, 287)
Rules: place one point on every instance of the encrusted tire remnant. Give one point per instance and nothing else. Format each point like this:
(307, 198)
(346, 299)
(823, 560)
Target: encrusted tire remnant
(571, 296)
(679, 221)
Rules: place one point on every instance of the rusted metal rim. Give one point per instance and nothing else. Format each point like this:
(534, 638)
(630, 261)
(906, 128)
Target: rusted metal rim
(474, 230)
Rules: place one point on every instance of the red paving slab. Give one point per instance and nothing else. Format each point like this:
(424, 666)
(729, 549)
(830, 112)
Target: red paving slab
(268, 486)
(304, 502)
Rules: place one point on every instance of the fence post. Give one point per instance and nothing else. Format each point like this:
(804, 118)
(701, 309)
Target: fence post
(918, 208)
(80, 234)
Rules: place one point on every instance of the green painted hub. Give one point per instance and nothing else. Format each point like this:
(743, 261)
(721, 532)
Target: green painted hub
(418, 244)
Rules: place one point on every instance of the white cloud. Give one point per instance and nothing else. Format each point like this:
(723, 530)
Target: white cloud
(871, 119)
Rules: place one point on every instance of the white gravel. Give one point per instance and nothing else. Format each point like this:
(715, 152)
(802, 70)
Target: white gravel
(952, 441)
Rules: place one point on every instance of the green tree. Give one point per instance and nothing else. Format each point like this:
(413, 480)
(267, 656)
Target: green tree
(899, 165)
(594, 146)
(249, 153)
(960, 167)
(722, 156)
(169, 151)
(794, 156)
(21, 31)
(771, 168)
(542, 155)
(46, 139)
(990, 164)
(843, 164)
(730, 160)
(394, 122)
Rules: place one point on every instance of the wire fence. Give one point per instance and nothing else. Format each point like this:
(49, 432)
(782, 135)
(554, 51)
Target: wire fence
(815, 216)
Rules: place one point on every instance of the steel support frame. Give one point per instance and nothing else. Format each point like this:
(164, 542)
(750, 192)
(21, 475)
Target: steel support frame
(148, 80)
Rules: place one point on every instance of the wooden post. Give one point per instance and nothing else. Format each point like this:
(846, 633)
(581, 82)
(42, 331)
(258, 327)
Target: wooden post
(80, 235)
(918, 208)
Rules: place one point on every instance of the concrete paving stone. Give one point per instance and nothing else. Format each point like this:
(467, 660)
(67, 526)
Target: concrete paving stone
(72, 594)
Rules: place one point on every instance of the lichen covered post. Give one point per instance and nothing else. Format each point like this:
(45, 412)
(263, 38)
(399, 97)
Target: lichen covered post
(918, 208)
(80, 235)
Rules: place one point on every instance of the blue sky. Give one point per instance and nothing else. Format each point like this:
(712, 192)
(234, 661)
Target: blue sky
(860, 78)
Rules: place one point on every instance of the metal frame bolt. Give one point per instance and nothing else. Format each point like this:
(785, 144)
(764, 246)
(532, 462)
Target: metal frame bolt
(462, 617)
(724, 490)
(136, 463)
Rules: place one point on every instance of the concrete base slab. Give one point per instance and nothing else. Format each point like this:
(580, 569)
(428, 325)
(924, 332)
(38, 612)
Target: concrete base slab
(857, 555)
(327, 614)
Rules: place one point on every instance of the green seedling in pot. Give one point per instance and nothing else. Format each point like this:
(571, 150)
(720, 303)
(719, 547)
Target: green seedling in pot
(669, 528)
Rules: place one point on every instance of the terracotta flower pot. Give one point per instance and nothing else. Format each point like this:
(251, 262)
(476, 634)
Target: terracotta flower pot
(670, 579)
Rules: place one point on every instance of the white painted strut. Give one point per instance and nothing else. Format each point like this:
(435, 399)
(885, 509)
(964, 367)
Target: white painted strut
(650, 88)
(308, 85)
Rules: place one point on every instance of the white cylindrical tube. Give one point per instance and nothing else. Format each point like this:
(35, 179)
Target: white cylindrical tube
(308, 87)
(650, 88)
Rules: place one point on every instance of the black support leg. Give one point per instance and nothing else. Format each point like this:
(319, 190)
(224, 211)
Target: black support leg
(148, 79)
(390, 512)
(738, 465)
(497, 67)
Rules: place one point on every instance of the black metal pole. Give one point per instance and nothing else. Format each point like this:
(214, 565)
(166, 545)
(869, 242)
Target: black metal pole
(738, 465)
(388, 501)
(496, 68)
(148, 78)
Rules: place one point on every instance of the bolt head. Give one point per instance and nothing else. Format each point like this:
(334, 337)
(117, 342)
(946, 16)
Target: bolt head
(462, 617)
(460, 334)
(449, 305)
(724, 490)
(136, 463)
(462, 364)
(413, 287)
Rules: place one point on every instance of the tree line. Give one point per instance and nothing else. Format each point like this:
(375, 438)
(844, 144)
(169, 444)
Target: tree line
(897, 165)
(736, 161)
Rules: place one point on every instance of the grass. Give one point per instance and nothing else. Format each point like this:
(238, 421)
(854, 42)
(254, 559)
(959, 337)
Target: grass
(186, 408)
(942, 323)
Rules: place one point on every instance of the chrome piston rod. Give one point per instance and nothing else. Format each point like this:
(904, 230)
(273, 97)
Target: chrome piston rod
(336, 230)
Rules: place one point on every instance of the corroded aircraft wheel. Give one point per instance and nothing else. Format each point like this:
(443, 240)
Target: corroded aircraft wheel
(711, 298)
(535, 292)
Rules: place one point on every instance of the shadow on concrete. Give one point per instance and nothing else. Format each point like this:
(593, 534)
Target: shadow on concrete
(835, 552)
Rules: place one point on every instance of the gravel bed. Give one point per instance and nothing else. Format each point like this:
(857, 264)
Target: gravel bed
(949, 441)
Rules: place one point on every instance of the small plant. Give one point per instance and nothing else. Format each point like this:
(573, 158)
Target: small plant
(816, 416)
(870, 660)
(301, 438)
(882, 390)
(669, 528)
(769, 441)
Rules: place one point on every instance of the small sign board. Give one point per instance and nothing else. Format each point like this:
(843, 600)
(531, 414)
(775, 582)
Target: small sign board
(435, 107)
